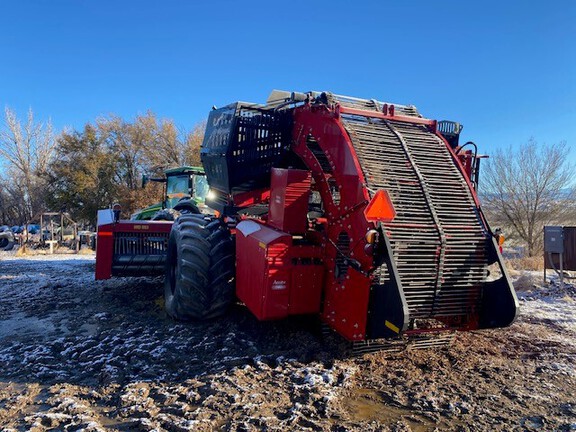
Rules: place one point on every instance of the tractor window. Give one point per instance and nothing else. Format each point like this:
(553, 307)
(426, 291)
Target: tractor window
(200, 187)
(178, 185)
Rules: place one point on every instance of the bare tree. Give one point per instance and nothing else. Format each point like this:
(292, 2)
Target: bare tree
(147, 145)
(25, 153)
(11, 209)
(166, 148)
(193, 141)
(528, 187)
(127, 142)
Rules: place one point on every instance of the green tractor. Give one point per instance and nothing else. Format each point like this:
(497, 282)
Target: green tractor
(186, 188)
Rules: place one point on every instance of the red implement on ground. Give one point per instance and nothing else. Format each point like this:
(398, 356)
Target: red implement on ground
(360, 211)
(130, 248)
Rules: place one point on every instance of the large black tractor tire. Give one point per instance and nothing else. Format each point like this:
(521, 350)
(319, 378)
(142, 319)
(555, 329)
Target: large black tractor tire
(186, 205)
(7, 243)
(165, 215)
(199, 282)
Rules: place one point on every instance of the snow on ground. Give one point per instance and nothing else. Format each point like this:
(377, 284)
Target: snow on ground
(558, 311)
(76, 354)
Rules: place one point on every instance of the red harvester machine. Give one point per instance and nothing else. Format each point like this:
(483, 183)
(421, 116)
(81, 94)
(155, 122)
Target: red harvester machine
(360, 211)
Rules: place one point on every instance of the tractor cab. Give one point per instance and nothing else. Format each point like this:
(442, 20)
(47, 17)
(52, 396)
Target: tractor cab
(137, 246)
(182, 183)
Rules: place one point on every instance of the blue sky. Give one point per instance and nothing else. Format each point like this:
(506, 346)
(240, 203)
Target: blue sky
(506, 69)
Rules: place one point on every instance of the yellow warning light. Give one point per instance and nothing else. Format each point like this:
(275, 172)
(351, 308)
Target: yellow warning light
(371, 236)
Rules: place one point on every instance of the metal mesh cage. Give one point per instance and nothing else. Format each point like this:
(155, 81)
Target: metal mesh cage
(241, 145)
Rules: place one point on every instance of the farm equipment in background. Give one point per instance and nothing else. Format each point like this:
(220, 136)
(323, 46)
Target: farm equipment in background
(55, 230)
(179, 184)
(137, 246)
(7, 238)
(361, 211)
(59, 229)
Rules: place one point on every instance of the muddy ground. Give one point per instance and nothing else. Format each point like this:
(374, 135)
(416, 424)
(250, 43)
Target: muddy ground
(76, 354)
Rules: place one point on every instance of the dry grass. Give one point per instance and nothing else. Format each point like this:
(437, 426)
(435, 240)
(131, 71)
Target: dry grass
(512, 272)
(28, 251)
(86, 251)
(527, 282)
(525, 263)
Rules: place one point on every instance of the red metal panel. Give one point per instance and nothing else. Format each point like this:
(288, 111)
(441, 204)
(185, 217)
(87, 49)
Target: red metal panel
(250, 271)
(307, 280)
(346, 305)
(105, 241)
(290, 190)
(345, 296)
(104, 251)
(274, 278)
(276, 296)
(263, 269)
(143, 226)
(466, 161)
(245, 199)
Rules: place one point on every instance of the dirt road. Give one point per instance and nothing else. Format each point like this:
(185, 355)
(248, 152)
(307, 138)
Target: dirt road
(76, 354)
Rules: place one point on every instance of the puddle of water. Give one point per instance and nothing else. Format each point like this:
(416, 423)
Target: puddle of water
(19, 324)
(23, 325)
(88, 329)
(533, 423)
(367, 404)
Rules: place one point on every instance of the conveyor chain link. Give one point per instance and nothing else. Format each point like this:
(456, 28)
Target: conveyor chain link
(438, 240)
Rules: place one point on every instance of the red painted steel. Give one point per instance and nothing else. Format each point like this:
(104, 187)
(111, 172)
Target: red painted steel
(104, 251)
(142, 226)
(389, 116)
(346, 296)
(275, 278)
(262, 263)
(466, 161)
(307, 280)
(105, 241)
(289, 194)
(249, 198)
